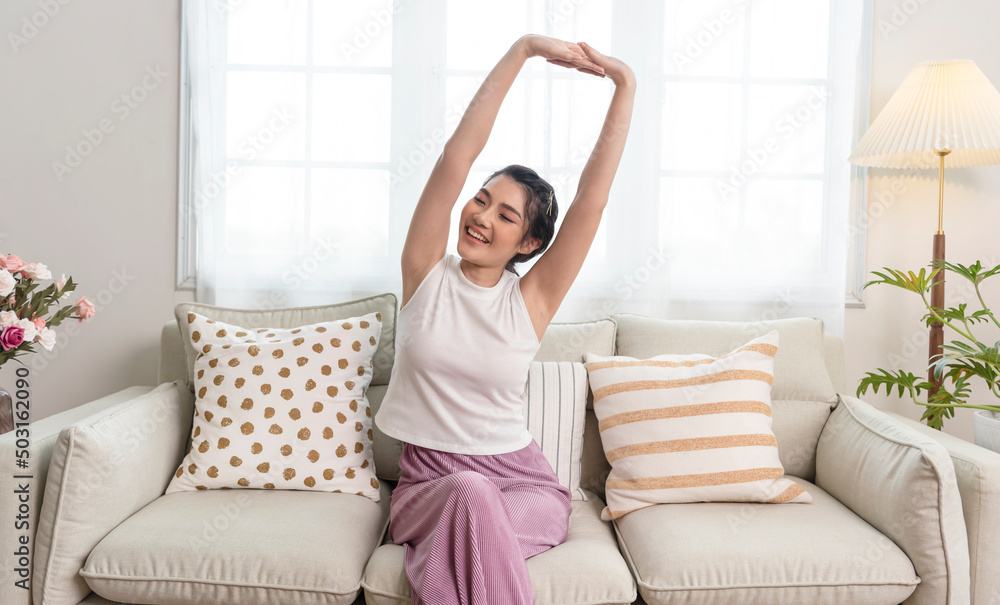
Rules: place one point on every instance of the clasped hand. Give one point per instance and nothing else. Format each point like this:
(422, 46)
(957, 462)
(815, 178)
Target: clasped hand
(580, 56)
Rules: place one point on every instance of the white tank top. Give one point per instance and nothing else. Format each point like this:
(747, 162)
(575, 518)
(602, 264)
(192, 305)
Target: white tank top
(463, 352)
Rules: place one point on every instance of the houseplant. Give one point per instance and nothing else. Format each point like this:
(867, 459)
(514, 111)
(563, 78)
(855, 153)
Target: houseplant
(961, 360)
(23, 320)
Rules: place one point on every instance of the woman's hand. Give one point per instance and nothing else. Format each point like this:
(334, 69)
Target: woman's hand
(559, 52)
(617, 70)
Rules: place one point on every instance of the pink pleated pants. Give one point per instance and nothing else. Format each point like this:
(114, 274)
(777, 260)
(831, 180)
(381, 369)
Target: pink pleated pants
(468, 522)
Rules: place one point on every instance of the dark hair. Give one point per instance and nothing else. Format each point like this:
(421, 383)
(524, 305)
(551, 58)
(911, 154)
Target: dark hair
(541, 223)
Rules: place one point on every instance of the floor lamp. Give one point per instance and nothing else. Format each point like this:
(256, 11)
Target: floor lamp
(942, 109)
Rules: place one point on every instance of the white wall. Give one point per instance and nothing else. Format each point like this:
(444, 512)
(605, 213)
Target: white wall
(117, 210)
(887, 333)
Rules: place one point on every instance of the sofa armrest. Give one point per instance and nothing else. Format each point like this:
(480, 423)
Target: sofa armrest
(43, 436)
(978, 472)
(903, 483)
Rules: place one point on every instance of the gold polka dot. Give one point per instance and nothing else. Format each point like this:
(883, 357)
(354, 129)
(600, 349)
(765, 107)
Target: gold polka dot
(256, 448)
(264, 467)
(206, 348)
(241, 334)
(243, 482)
(294, 413)
(335, 342)
(341, 451)
(372, 341)
(203, 447)
(286, 394)
(253, 350)
(192, 468)
(247, 404)
(223, 401)
(201, 392)
(235, 461)
(296, 330)
(309, 481)
(304, 433)
(320, 329)
(200, 487)
(378, 316)
(364, 464)
(325, 370)
(201, 372)
(196, 336)
(226, 421)
(310, 384)
(191, 317)
(317, 407)
(331, 391)
(368, 411)
(219, 379)
(268, 412)
(234, 362)
(328, 473)
(313, 455)
(302, 361)
(350, 385)
(346, 325)
(364, 324)
(213, 362)
(221, 333)
(208, 416)
(297, 341)
(350, 473)
(275, 429)
(212, 472)
(357, 345)
(180, 471)
(257, 370)
(262, 330)
(286, 450)
(369, 434)
(197, 431)
(341, 418)
(268, 486)
(246, 428)
(318, 348)
(211, 321)
(359, 447)
(343, 364)
(223, 443)
(284, 372)
(327, 433)
(265, 388)
(277, 353)
(361, 371)
(354, 405)
(226, 346)
(374, 482)
(358, 427)
(288, 474)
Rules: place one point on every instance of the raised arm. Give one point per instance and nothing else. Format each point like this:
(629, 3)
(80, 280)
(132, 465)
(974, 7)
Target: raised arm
(427, 237)
(550, 278)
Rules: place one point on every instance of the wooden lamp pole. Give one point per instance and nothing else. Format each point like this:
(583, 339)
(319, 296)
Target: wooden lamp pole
(937, 290)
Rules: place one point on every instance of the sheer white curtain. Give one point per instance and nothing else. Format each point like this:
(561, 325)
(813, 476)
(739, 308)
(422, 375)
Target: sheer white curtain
(315, 123)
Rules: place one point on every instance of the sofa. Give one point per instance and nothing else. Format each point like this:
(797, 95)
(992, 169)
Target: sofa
(900, 513)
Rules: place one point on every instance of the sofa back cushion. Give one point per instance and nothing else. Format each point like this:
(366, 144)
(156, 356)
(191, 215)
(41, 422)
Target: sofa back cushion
(802, 395)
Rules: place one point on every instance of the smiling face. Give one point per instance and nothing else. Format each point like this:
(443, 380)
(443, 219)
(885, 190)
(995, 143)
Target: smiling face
(497, 213)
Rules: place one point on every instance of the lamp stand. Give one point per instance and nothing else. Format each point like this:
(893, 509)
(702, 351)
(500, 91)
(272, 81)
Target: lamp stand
(935, 347)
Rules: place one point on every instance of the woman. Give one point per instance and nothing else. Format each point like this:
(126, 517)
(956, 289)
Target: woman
(476, 496)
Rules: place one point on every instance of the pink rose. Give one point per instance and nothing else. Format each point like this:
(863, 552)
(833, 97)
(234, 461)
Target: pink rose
(39, 322)
(11, 338)
(86, 310)
(12, 263)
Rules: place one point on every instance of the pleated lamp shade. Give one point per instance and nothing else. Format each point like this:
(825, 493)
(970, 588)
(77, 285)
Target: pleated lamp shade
(940, 105)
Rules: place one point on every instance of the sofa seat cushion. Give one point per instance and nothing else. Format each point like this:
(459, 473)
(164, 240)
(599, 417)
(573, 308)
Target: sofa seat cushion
(244, 546)
(749, 553)
(586, 568)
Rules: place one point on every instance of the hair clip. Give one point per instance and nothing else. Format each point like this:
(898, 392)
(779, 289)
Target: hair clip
(550, 203)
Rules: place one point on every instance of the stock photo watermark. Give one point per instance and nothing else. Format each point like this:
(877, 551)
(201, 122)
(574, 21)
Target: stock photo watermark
(33, 24)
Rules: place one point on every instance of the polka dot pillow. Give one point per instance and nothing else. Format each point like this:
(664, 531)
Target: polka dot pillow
(282, 408)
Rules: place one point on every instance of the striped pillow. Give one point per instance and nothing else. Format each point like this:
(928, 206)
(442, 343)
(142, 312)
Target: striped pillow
(555, 409)
(690, 428)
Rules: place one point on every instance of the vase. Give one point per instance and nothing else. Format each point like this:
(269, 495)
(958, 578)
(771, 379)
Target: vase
(987, 430)
(6, 411)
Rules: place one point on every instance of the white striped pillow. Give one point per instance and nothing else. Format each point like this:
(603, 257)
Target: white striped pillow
(690, 428)
(555, 410)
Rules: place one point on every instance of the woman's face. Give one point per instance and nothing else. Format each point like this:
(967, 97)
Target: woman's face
(497, 212)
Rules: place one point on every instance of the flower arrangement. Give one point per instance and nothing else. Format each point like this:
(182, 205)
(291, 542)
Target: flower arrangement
(23, 307)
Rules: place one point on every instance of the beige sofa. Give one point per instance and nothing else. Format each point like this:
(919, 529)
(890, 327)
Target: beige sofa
(900, 513)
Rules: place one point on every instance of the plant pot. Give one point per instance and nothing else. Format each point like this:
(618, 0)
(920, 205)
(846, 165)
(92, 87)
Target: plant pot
(987, 430)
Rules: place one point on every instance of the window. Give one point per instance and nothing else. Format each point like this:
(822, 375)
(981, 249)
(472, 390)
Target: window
(313, 126)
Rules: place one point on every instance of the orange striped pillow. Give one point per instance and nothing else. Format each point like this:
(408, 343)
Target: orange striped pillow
(690, 428)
